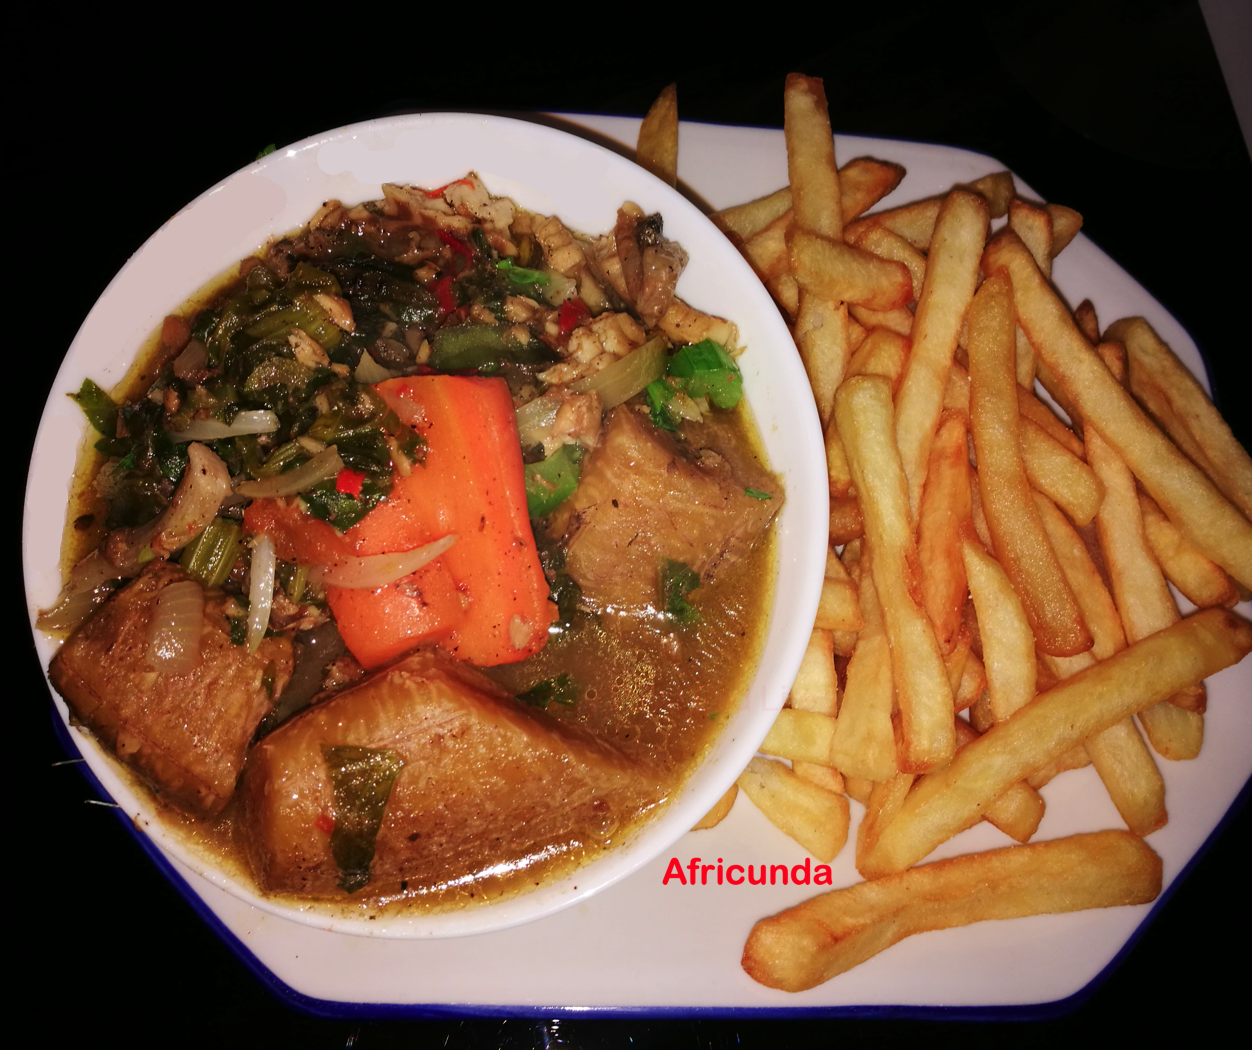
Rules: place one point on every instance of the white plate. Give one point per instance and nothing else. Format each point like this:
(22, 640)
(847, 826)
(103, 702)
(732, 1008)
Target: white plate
(648, 947)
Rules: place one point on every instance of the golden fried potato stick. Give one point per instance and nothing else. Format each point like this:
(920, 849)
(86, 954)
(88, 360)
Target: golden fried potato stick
(839, 607)
(1170, 393)
(887, 245)
(864, 743)
(1008, 645)
(811, 169)
(1032, 408)
(953, 799)
(883, 353)
(1020, 542)
(1199, 578)
(743, 221)
(1019, 810)
(899, 320)
(1033, 225)
(815, 687)
(1055, 471)
(916, 222)
(828, 935)
(1139, 588)
(942, 518)
(821, 333)
(951, 277)
(657, 148)
(720, 811)
(1183, 491)
(823, 776)
(1065, 226)
(816, 818)
(802, 736)
(866, 421)
(841, 273)
(846, 521)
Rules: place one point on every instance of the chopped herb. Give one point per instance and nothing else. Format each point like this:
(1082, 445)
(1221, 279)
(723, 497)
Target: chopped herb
(757, 494)
(677, 581)
(708, 371)
(362, 778)
(660, 393)
(550, 482)
(521, 275)
(267, 151)
(559, 690)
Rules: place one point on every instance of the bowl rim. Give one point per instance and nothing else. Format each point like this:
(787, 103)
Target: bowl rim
(793, 430)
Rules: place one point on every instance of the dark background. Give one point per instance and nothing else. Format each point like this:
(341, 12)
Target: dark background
(1116, 109)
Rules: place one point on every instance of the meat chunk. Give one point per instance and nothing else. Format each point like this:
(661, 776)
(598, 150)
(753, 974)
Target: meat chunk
(643, 499)
(485, 787)
(185, 733)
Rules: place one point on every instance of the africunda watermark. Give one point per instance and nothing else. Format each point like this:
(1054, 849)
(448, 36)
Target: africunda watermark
(697, 871)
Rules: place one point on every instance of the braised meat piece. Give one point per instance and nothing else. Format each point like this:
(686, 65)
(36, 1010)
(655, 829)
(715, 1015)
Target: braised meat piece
(482, 787)
(185, 733)
(644, 498)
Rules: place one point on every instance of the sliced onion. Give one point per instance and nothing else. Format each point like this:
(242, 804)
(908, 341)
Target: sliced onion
(174, 641)
(381, 569)
(260, 589)
(625, 378)
(260, 421)
(326, 464)
(370, 371)
(534, 419)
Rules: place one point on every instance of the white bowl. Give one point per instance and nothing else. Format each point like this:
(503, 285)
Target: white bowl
(546, 171)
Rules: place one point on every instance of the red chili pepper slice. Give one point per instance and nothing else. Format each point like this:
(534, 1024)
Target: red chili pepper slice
(443, 289)
(324, 823)
(458, 246)
(572, 313)
(432, 194)
(349, 481)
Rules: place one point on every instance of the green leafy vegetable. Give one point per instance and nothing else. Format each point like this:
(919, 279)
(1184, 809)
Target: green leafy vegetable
(757, 494)
(267, 151)
(552, 481)
(559, 690)
(708, 371)
(472, 346)
(659, 394)
(677, 581)
(362, 779)
(98, 407)
(521, 275)
(211, 555)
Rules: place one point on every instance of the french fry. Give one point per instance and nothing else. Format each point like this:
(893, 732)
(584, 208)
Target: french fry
(997, 190)
(1065, 226)
(839, 607)
(1042, 416)
(944, 514)
(887, 245)
(863, 182)
(899, 320)
(881, 809)
(802, 736)
(846, 522)
(1054, 470)
(1139, 588)
(1008, 645)
(883, 353)
(1182, 490)
(720, 811)
(841, 273)
(811, 169)
(1020, 543)
(951, 276)
(816, 818)
(1033, 225)
(815, 687)
(1164, 386)
(1199, 578)
(821, 333)
(829, 934)
(766, 249)
(973, 683)
(1085, 318)
(838, 474)
(657, 148)
(1151, 670)
(914, 222)
(865, 417)
(1019, 810)
(745, 220)
(823, 776)
(864, 743)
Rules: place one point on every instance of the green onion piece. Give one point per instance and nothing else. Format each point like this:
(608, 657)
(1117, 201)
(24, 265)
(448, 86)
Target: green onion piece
(551, 482)
(277, 371)
(561, 690)
(709, 372)
(677, 581)
(659, 394)
(98, 407)
(267, 151)
(521, 275)
(304, 314)
(362, 778)
(757, 494)
(211, 555)
(625, 378)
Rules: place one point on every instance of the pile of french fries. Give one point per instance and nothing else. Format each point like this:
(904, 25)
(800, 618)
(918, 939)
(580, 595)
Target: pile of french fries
(989, 557)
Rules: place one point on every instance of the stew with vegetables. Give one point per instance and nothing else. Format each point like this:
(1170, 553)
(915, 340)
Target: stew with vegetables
(427, 556)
